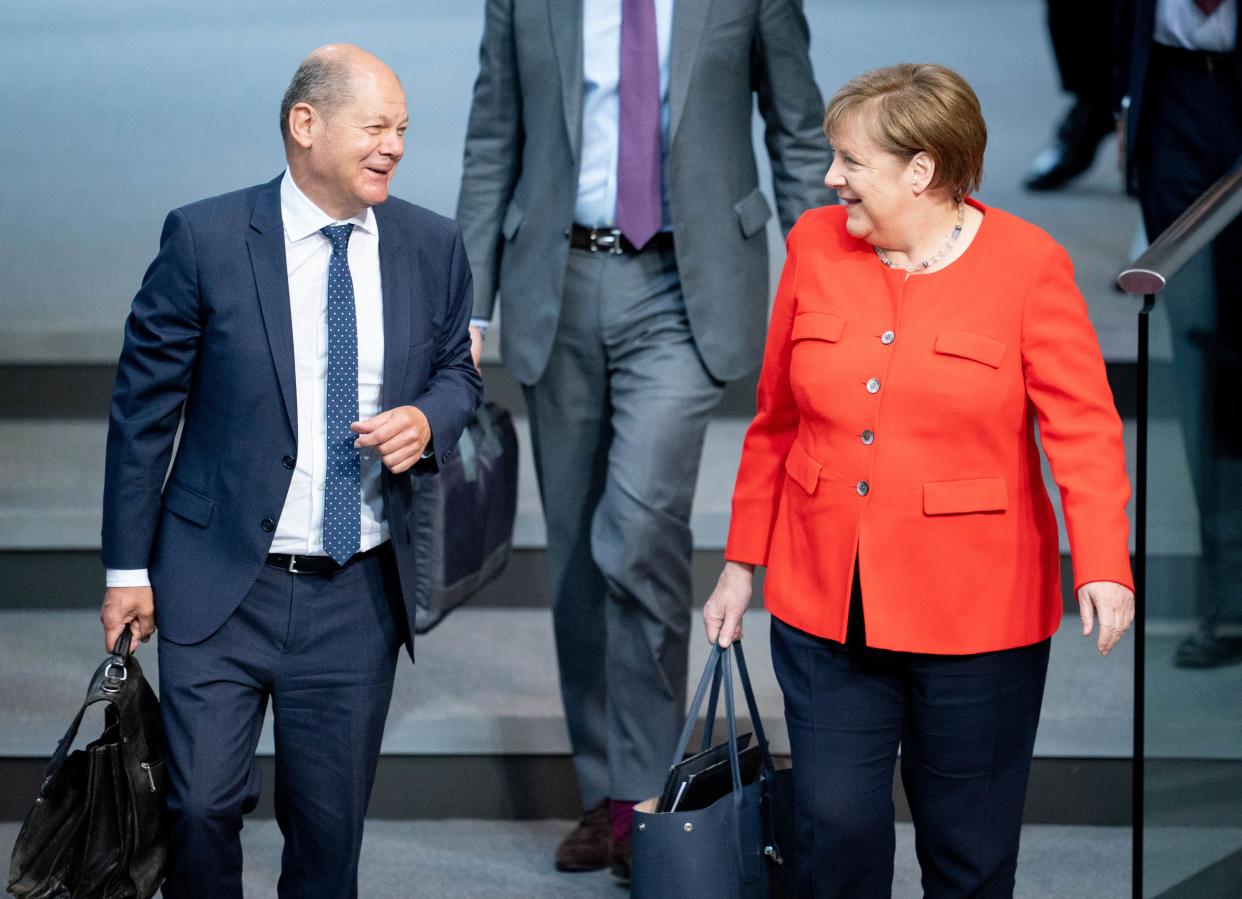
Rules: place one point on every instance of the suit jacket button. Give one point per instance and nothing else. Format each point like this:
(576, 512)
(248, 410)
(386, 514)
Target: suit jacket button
(887, 337)
(873, 386)
(288, 462)
(863, 488)
(868, 437)
(268, 525)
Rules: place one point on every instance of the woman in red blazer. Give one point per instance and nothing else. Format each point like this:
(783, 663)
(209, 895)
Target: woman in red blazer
(891, 485)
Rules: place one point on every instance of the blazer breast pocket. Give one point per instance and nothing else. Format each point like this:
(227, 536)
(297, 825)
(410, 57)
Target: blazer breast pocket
(969, 345)
(186, 503)
(817, 326)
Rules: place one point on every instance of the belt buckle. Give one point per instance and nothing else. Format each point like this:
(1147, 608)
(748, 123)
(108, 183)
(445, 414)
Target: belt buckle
(608, 240)
(292, 568)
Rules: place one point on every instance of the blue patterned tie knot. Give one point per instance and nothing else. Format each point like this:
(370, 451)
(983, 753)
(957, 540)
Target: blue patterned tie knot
(342, 486)
(338, 235)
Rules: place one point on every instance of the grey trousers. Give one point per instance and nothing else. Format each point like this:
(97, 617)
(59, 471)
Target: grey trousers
(617, 422)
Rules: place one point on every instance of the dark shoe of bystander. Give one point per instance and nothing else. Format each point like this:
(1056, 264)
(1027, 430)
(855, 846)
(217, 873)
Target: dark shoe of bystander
(589, 845)
(1207, 649)
(621, 859)
(1073, 151)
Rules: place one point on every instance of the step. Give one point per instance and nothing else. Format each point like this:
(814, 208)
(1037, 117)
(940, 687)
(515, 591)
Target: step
(51, 497)
(472, 859)
(462, 699)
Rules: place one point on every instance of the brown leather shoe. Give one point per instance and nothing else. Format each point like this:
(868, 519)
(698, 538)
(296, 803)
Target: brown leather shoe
(621, 859)
(589, 845)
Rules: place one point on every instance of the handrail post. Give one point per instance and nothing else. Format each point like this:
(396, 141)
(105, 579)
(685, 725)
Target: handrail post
(1140, 599)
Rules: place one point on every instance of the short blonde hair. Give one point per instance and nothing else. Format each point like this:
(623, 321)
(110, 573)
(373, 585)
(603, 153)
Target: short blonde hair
(919, 108)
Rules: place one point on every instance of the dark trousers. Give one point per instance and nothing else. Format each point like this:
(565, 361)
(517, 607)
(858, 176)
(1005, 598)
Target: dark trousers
(1082, 42)
(966, 729)
(1191, 135)
(324, 650)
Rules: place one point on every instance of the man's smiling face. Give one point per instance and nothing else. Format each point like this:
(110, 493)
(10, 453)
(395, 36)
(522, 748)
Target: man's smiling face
(359, 143)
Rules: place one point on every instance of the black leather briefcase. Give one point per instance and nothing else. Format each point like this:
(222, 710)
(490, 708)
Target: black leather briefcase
(463, 518)
(97, 828)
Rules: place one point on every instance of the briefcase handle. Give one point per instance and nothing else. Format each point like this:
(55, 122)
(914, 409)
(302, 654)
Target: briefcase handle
(108, 680)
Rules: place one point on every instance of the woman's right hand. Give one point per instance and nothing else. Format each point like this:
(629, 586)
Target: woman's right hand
(722, 615)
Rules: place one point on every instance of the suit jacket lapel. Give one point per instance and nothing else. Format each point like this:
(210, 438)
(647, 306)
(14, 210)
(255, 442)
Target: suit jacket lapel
(395, 288)
(689, 17)
(266, 244)
(565, 19)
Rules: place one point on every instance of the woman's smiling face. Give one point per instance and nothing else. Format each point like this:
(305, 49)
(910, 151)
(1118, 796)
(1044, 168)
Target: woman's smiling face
(872, 183)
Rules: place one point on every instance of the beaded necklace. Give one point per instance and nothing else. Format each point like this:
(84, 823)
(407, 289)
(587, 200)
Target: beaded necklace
(931, 260)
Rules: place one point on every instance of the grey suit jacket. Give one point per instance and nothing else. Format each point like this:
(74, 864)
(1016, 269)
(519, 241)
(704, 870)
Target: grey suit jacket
(519, 186)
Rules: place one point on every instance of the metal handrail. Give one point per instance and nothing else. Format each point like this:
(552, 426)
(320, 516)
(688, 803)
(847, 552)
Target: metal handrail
(1147, 276)
(1193, 230)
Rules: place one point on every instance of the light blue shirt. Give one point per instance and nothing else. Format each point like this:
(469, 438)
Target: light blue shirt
(601, 112)
(601, 107)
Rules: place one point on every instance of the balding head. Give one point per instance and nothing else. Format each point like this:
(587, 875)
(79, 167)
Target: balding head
(343, 119)
(326, 79)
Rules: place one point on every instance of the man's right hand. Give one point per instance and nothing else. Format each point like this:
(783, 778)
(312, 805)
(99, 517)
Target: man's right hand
(132, 607)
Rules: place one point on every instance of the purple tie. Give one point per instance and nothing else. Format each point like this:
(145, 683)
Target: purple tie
(1208, 6)
(640, 212)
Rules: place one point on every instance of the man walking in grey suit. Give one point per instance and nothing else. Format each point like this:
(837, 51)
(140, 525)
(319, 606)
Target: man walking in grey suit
(611, 196)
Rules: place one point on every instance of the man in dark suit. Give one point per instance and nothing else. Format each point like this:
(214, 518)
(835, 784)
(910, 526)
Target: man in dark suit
(1082, 42)
(1181, 79)
(310, 334)
(610, 195)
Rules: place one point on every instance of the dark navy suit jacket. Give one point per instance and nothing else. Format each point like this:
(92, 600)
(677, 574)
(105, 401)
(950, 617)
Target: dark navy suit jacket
(1136, 23)
(210, 335)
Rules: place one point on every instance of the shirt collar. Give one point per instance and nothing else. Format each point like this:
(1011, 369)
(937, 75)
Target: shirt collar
(303, 218)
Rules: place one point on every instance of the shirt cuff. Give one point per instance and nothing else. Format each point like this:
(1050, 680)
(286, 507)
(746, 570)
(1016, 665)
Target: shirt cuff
(480, 323)
(128, 577)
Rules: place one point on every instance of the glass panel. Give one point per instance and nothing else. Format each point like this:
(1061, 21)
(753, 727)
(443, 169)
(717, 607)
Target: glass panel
(1193, 655)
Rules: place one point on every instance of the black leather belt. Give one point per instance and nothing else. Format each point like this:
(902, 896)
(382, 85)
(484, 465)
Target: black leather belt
(321, 565)
(1214, 65)
(611, 240)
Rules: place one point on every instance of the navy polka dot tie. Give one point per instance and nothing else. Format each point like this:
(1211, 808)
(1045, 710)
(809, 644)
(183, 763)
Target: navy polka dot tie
(342, 487)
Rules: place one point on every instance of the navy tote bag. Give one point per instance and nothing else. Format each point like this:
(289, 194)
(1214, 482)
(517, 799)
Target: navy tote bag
(730, 849)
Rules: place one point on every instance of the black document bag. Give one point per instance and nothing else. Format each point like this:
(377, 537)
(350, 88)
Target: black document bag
(462, 524)
(97, 828)
(732, 848)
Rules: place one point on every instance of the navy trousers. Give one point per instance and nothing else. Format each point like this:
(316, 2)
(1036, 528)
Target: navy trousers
(323, 650)
(966, 729)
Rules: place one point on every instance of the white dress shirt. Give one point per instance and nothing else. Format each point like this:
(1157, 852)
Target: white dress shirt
(601, 107)
(1180, 23)
(300, 529)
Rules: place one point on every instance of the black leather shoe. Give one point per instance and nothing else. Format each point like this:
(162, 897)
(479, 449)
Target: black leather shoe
(589, 845)
(1205, 649)
(1078, 138)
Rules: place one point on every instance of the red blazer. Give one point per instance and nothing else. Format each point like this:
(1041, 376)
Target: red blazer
(896, 421)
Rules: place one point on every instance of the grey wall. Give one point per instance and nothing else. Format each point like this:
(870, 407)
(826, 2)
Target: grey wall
(114, 112)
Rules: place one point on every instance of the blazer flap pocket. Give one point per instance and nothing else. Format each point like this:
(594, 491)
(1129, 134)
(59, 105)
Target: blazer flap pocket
(753, 212)
(817, 326)
(187, 504)
(512, 221)
(968, 345)
(801, 468)
(971, 495)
